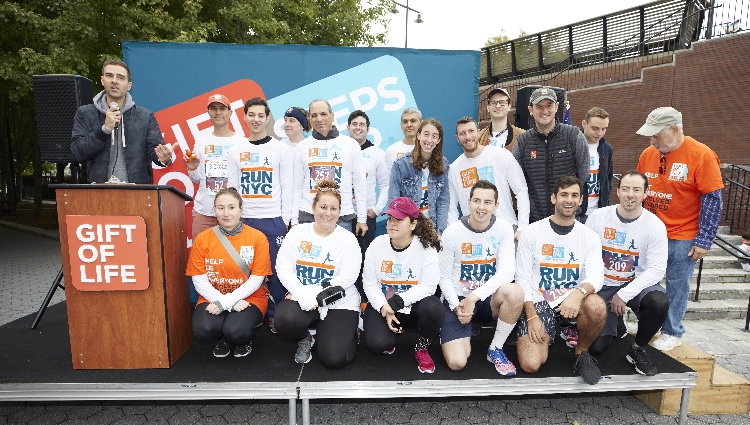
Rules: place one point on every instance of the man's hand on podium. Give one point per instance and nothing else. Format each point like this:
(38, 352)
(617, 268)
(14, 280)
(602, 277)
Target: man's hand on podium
(241, 305)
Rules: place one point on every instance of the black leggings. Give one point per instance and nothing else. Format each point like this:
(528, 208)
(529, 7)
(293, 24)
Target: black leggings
(238, 327)
(335, 337)
(651, 315)
(427, 313)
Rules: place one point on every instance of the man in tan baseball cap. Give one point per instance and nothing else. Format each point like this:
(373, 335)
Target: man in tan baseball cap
(685, 193)
(659, 119)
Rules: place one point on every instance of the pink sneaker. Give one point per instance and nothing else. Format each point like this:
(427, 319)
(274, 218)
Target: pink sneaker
(570, 335)
(424, 361)
(390, 350)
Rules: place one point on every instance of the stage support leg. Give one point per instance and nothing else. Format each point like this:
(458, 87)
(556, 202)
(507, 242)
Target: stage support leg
(306, 411)
(684, 406)
(56, 284)
(292, 411)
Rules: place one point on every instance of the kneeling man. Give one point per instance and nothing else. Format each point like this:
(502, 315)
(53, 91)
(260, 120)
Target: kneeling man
(559, 265)
(476, 269)
(634, 249)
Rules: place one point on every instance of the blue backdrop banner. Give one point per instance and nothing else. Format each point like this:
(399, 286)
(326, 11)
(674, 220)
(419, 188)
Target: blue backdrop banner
(381, 81)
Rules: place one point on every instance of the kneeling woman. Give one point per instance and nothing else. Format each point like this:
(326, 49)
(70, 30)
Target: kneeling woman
(228, 263)
(400, 278)
(318, 263)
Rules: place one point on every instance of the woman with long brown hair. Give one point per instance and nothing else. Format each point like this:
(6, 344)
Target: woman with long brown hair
(422, 175)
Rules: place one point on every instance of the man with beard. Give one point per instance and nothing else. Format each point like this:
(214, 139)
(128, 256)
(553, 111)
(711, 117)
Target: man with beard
(491, 163)
(559, 265)
(634, 249)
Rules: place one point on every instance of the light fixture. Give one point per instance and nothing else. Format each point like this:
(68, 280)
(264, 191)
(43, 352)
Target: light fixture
(419, 19)
(394, 9)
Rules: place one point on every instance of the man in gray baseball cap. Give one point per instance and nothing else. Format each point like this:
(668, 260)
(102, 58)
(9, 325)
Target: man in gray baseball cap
(659, 119)
(548, 151)
(685, 193)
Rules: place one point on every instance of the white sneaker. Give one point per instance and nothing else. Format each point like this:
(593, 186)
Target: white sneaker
(666, 342)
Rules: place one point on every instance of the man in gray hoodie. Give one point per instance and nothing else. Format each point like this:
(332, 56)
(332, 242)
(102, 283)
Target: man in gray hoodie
(118, 139)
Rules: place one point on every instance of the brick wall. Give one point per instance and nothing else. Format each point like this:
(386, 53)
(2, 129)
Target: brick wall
(707, 84)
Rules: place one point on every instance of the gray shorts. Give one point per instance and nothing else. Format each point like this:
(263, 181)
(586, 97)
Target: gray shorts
(607, 292)
(547, 316)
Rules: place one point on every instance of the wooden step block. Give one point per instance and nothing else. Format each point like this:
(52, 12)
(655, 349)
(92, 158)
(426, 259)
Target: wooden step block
(717, 391)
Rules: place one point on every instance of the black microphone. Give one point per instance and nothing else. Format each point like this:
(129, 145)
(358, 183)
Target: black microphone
(115, 105)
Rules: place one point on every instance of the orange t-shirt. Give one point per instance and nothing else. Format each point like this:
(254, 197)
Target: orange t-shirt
(208, 256)
(675, 196)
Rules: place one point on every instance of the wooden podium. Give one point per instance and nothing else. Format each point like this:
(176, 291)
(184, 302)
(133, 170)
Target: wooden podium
(127, 329)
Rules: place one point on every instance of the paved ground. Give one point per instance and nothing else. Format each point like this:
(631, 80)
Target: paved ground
(30, 263)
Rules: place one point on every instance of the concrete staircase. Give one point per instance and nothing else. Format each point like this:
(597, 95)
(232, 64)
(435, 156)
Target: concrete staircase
(725, 286)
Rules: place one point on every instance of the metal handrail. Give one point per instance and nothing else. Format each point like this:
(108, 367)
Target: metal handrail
(739, 255)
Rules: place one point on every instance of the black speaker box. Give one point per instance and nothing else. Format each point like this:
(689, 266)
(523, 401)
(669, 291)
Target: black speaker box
(57, 97)
(523, 119)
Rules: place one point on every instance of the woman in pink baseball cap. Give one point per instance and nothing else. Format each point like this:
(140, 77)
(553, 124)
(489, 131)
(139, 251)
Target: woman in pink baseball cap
(400, 277)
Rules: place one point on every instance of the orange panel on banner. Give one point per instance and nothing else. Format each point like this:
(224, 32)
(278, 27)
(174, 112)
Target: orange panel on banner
(107, 253)
(185, 121)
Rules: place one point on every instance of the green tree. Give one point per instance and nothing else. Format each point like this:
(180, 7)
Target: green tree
(76, 36)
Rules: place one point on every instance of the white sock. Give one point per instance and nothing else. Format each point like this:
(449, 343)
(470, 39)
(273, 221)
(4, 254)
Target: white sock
(502, 331)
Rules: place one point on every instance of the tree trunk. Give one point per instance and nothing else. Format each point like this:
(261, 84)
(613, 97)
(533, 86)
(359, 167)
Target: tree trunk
(7, 163)
(36, 160)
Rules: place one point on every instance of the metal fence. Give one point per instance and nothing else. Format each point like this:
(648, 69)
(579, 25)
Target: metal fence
(608, 49)
(736, 209)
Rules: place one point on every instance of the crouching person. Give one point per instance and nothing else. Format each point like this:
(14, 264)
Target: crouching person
(318, 264)
(476, 269)
(228, 263)
(559, 265)
(400, 279)
(634, 249)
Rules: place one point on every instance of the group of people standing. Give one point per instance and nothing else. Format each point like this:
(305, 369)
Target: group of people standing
(517, 230)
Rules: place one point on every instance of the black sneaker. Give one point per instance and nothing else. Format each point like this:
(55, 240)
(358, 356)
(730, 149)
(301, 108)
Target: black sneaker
(622, 330)
(586, 367)
(243, 350)
(637, 357)
(221, 349)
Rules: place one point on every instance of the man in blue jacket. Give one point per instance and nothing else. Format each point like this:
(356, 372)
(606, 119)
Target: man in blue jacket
(118, 139)
(600, 159)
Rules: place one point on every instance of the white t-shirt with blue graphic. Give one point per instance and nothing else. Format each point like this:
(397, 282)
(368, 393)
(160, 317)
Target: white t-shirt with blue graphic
(212, 174)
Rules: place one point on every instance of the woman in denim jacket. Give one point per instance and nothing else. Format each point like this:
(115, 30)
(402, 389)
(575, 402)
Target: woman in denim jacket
(424, 168)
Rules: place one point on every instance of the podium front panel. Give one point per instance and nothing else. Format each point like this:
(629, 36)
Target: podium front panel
(129, 329)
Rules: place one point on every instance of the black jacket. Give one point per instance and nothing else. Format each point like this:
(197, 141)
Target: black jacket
(91, 144)
(546, 158)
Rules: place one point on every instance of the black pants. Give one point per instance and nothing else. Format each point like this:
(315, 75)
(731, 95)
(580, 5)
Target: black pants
(238, 327)
(364, 243)
(335, 337)
(427, 313)
(652, 312)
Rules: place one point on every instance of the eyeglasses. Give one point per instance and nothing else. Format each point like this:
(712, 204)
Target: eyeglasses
(498, 102)
(328, 189)
(663, 166)
(358, 124)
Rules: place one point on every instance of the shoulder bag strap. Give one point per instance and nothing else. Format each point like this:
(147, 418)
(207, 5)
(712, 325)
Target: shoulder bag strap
(232, 252)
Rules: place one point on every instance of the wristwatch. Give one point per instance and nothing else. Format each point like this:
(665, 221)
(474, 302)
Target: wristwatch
(582, 289)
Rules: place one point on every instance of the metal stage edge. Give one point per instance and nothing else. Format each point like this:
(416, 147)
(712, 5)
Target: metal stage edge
(307, 391)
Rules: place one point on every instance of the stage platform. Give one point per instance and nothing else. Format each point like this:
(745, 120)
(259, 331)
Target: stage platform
(36, 365)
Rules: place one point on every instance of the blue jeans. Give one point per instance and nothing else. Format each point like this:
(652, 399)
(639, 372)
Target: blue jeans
(680, 269)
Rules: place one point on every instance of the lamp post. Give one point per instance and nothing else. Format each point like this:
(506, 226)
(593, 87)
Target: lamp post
(419, 20)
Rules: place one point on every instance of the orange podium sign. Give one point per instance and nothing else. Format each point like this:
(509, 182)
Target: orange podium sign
(108, 253)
